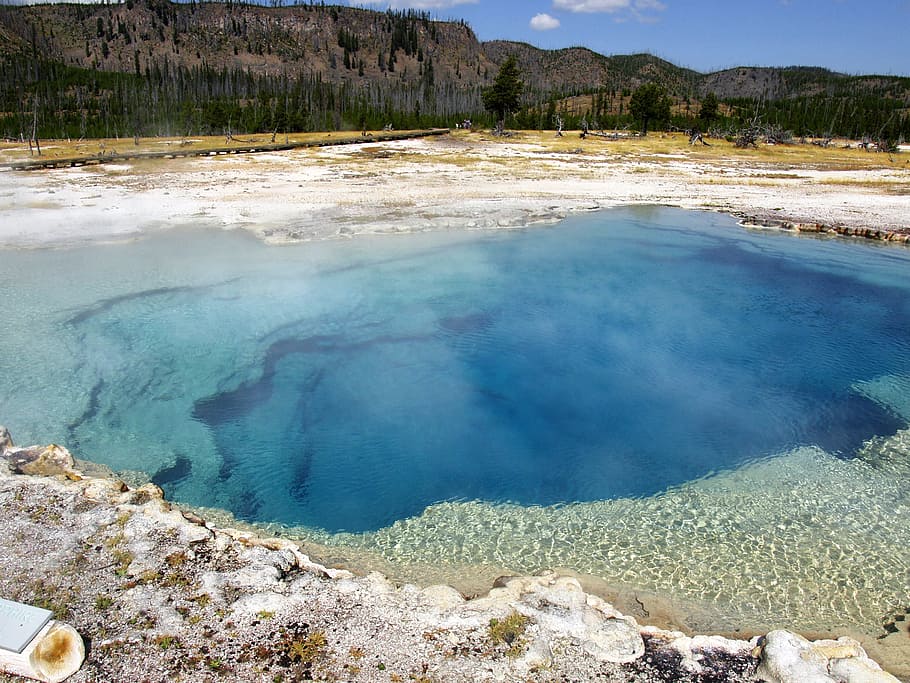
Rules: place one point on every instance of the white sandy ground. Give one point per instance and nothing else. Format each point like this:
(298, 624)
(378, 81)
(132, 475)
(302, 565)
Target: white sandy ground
(452, 182)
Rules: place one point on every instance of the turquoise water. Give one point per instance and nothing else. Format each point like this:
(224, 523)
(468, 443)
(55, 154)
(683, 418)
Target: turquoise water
(568, 396)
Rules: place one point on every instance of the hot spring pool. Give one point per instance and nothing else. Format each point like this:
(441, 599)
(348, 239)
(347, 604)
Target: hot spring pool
(654, 397)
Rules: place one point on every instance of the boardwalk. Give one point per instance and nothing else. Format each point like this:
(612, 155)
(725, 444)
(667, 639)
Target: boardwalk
(113, 157)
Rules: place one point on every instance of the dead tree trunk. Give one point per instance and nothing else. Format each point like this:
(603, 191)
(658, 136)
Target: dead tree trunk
(695, 137)
(34, 137)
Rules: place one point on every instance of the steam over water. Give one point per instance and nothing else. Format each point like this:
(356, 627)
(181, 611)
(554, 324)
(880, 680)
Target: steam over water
(655, 397)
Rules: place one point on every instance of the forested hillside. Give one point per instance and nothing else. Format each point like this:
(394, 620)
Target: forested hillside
(153, 67)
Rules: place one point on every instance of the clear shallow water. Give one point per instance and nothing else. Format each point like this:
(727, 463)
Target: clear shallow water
(557, 397)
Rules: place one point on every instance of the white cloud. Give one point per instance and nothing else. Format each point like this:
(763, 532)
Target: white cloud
(592, 5)
(544, 22)
(634, 7)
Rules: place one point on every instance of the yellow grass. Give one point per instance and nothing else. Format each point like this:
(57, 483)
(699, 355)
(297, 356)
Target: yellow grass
(467, 148)
(675, 146)
(65, 149)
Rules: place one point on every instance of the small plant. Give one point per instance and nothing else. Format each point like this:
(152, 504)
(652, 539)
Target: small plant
(103, 602)
(509, 632)
(122, 559)
(173, 579)
(203, 599)
(176, 559)
(115, 540)
(166, 642)
(265, 614)
(53, 598)
(309, 649)
(150, 576)
(142, 620)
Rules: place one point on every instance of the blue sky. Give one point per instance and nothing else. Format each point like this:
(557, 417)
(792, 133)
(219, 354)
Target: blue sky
(852, 36)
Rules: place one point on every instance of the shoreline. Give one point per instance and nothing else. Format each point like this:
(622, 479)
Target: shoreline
(461, 181)
(144, 580)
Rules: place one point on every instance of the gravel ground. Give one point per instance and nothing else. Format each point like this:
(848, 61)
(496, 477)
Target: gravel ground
(159, 596)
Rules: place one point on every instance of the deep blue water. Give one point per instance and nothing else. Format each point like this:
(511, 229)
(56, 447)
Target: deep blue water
(601, 359)
(349, 385)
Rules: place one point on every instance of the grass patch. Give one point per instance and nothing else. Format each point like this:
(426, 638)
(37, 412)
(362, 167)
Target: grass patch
(103, 602)
(166, 642)
(508, 633)
(308, 650)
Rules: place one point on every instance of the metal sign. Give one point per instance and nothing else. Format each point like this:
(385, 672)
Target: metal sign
(19, 624)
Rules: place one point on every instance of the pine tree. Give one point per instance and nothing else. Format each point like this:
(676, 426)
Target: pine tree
(504, 96)
(649, 103)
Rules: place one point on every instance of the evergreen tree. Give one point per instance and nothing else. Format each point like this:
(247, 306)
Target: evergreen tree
(708, 111)
(649, 103)
(504, 96)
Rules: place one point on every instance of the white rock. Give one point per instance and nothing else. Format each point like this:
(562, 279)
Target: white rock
(615, 640)
(255, 576)
(859, 670)
(443, 597)
(538, 655)
(789, 658)
(561, 609)
(346, 586)
(691, 649)
(838, 649)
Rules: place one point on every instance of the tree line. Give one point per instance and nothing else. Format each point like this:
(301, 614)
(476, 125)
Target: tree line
(173, 100)
(168, 98)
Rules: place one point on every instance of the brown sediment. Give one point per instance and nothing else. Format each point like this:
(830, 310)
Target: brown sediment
(895, 235)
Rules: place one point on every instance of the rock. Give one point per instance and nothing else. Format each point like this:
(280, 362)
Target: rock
(614, 640)
(6, 441)
(859, 670)
(43, 462)
(841, 648)
(538, 655)
(562, 610)
(143, 494)
(788, 658)
(692, 650)
(443, 597)
(261, 605)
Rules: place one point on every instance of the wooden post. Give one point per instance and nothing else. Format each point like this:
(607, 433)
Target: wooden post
(35, 646)
(35, 130)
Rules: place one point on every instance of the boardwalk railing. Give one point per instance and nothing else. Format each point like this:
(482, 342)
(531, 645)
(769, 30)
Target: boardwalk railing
(251, 148)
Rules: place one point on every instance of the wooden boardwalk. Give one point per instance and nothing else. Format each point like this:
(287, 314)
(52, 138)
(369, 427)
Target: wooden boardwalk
(113, 157)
